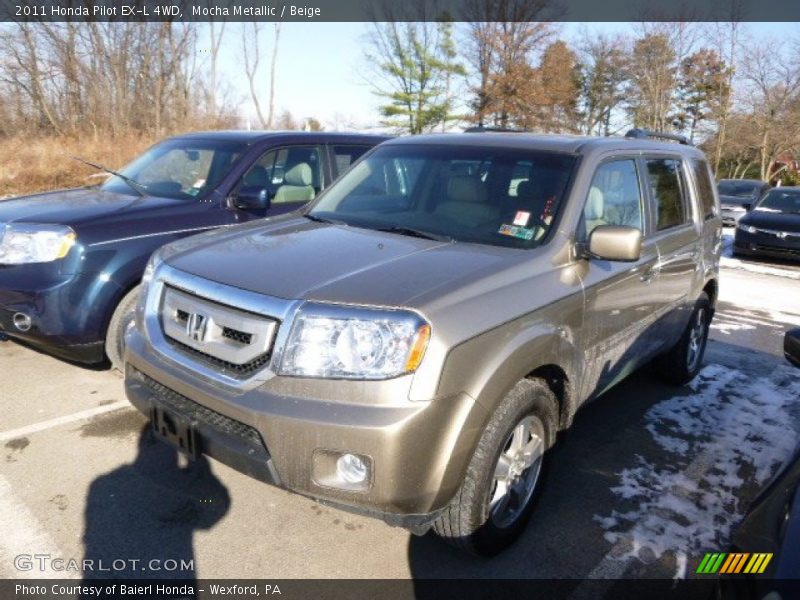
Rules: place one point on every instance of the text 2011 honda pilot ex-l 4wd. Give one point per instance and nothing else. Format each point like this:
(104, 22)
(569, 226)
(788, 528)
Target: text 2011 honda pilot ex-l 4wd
(409, 345)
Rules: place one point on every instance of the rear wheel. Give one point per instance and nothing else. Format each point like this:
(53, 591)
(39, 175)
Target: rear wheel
(500, 488)
(682, 362)
(121, 321)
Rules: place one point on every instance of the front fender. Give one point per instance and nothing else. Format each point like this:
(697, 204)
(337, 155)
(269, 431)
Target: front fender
(109, 272)
(488, 366)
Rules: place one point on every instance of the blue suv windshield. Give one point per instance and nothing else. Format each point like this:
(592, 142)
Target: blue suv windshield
(496, 196)
(179, 169)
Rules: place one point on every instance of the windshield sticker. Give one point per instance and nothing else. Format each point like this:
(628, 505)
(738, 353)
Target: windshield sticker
(521, 218)
(193, 191)
(523, 233)
(199, 183)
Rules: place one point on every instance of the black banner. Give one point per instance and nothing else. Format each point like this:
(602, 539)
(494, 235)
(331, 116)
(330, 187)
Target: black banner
(386, 10)
(391, 589)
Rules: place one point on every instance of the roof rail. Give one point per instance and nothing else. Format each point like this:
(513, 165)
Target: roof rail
(482, 129)
(648, 134)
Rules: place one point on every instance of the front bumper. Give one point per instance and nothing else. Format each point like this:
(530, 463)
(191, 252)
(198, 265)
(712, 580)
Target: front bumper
(731, 215)
(418, 451)
(767, 244)
(53, 298)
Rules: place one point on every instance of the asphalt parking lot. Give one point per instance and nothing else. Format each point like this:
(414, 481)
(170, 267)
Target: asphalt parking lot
(648, 479)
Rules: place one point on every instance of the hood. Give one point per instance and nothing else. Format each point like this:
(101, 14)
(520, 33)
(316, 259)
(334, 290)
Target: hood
(768, 219)
(74, 206)
(300, 259)
(739, 201)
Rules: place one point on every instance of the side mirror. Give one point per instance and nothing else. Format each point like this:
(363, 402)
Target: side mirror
(747, 205)
(615, 242)
(252, 198)
(791, 346)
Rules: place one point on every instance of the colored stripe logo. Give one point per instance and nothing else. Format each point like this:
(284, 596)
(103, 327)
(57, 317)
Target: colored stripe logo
(734, 563)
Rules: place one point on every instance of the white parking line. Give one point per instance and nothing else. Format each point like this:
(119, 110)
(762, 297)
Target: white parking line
(615, 562)
(22, 534)
(49, 424)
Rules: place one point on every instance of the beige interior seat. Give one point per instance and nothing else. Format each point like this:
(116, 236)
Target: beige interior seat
(594, 213)
(297, 185)
(467, 202)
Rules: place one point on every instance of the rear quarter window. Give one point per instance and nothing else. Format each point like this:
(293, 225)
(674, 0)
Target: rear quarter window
(344, 156)
(704, 187)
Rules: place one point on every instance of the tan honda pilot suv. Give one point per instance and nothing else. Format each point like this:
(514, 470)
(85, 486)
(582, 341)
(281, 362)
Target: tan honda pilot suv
(409, 345)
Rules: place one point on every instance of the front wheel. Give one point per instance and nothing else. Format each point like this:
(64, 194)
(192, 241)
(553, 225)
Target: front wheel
(682, 362)
(121, 321)
(496, 499)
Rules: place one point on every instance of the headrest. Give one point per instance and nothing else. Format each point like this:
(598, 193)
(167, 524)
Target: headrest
(256, 177)
(300, 175)
(465, 188)
(595, 205)
(525, 189)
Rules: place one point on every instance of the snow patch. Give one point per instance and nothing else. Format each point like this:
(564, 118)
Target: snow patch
(733, 429)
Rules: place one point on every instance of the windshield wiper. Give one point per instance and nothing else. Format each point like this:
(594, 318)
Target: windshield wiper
(138, 187)
(410, 231)
(317, 219)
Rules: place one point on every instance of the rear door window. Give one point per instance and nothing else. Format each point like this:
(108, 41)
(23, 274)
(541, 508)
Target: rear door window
(667, 192)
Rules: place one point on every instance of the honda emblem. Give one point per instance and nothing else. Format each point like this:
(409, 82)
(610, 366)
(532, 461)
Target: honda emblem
(196, 327)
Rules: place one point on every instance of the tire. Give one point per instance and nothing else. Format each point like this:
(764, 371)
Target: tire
(478, 520)
(120, 321)
(681, 363)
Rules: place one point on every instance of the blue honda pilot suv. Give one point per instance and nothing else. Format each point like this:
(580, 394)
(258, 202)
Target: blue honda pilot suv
(71, 260)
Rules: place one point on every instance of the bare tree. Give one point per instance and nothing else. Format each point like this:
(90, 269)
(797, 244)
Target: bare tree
(773, 78)
(251, 53)
(724, 38)
(110, 77)
(502, 37)
(216, 44)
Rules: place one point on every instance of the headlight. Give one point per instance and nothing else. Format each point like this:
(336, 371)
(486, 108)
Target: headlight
(748, 228)
(144, 288)
(24, 243)
(354, 343)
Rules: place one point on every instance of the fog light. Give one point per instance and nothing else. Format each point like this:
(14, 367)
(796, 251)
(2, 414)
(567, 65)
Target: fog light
(352, 468)
(22, 321)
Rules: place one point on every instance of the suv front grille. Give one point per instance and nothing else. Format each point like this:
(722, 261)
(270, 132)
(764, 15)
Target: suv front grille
(237, 336)
(238, 370)
(236, 341)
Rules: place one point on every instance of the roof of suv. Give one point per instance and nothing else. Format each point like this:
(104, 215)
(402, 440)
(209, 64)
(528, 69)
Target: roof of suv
(258, 136)
(572, 144)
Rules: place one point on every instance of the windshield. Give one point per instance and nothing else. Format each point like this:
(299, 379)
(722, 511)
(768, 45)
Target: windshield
(741, 189)
(496, 196)
(785, 201)
(179, 169)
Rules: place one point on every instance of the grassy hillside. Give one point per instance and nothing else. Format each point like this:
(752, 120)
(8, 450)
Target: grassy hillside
(39, 164)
